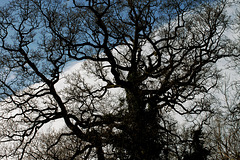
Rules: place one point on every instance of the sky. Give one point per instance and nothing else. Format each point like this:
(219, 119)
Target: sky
(3, 2)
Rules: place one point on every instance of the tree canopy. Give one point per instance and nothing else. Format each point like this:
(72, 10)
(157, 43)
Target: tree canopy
(141, 62)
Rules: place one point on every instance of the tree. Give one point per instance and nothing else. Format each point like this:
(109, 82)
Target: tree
(198, 151)
(224, 126)
(54, 145)
(223, 129)
(157, 54)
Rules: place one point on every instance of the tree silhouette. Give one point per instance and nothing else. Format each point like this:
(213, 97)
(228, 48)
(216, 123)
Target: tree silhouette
(145, 58)
(199, 152)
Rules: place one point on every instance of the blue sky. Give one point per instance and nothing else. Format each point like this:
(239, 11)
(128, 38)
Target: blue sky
(3, 2)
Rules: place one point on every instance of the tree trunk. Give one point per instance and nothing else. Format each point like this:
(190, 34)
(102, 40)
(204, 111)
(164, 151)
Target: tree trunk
(143, 126)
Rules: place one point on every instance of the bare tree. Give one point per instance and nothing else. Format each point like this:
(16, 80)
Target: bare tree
(55, 145)
(224, 127)
(225, 124)
(157, 54)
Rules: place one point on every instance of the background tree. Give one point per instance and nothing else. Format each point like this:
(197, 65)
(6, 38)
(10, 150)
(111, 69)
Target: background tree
(157, 54)
(54, 145)
(224, 126)
(197, 150)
